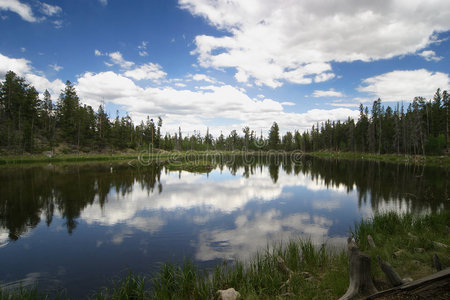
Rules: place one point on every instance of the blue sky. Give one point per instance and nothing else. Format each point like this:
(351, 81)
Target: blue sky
(226, 64)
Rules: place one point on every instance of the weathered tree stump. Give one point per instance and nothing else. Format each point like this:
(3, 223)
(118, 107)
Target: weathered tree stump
(390, 273)
(361, 283)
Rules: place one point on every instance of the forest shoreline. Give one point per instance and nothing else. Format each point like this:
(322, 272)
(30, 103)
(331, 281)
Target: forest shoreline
(191, 157)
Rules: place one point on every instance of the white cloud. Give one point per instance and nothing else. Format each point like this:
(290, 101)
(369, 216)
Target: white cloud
(405, 85)
(148, 71)
(23, 10)
(329, 93)
(203, 77)
(430, 55)
(17, 65)
(97, 52)
(22, 67)
(56, 67)
(143, 53)
(103, 2)
(41, 84)
(50, 10)
(324, 77)
(272, 41)
(117, 59)
(349, 103)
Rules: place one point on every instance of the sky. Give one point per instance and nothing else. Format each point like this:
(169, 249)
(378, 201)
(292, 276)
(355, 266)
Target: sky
(226, 64)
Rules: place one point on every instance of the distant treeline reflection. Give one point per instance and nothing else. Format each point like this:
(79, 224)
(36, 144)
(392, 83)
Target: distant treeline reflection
(31, 192)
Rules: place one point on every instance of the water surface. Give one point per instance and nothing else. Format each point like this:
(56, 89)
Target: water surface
(77, 226)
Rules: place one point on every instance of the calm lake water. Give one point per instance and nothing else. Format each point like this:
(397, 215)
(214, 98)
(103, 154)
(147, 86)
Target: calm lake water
(77, 226)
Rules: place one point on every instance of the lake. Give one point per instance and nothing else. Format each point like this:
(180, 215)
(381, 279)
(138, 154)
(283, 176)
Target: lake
(78, 226)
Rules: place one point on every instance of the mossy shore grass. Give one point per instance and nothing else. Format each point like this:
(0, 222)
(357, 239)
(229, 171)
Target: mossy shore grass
(407, 242)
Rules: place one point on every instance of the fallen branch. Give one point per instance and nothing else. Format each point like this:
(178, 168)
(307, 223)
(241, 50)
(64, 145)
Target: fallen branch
(436, 262)
(390, 273)
(282, 266)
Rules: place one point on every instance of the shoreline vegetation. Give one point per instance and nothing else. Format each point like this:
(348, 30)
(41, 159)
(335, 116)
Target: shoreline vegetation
(186, 160)
(407, 242)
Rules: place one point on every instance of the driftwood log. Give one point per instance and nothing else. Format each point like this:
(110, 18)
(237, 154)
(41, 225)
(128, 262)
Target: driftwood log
(361, 283)
(434, 286)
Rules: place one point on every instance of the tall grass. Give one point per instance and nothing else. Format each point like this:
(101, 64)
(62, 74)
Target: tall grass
(406, 241)
(317, 272)
(132, 286)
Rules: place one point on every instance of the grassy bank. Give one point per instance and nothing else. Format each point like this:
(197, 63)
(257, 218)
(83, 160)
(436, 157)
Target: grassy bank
(440, 161)
(407, 242)
(132, 155)
(176, 155)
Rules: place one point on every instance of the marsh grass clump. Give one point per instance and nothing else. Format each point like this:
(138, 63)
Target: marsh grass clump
(185, 282)
(315, 271)
(131, 286)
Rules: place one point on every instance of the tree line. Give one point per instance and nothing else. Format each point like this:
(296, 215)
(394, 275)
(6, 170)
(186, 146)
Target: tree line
(29, 124)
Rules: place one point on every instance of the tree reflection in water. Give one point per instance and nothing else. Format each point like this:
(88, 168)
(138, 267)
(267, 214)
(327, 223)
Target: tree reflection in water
(29, 193)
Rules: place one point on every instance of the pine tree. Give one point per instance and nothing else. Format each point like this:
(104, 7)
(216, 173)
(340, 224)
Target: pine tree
(274, 137)
(68, 109)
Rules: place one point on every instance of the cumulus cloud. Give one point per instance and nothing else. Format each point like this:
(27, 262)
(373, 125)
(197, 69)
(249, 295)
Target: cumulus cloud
(97, 52)
(23, 10)
(148, 71)
(192, 108)
(430, 55)
(405, 85)
(41, 84)
(329, 93)
(22, 67)
(203, 77)
(272, 41)
(17, 65)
